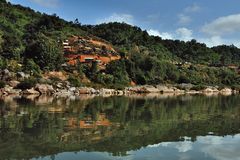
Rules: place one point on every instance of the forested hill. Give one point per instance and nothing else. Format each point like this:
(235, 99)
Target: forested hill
(32, 42)
(127, 37)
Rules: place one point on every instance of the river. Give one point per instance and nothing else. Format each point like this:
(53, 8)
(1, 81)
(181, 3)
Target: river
(137, 127)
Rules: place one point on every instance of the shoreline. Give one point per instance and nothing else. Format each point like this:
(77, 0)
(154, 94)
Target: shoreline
(49, 90)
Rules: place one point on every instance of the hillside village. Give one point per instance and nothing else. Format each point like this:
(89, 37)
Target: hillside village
(87, 50)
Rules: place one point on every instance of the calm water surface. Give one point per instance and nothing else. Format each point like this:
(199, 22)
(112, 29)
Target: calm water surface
(119, 128)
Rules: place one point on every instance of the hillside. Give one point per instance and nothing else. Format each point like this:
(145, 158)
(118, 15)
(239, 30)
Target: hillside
(113, 55)
(127, 36)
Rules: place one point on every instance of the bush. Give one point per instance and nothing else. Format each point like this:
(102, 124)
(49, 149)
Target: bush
(2, 84)
(27, 84)
(74, 81)
(46, 52)
(198, 87)
(31, 67)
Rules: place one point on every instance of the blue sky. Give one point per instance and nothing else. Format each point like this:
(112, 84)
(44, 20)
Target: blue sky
(213, 22)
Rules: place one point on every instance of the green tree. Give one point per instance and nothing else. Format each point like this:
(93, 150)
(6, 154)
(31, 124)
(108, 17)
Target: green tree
(31, 67)
(45, 52)
(118, 70)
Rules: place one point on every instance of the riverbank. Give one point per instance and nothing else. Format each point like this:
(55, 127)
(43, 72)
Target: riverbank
(61, 90)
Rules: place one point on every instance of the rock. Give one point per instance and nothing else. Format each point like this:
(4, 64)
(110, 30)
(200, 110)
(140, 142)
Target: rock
(72, 89)
(107, 91)
(14, 92)
(13, 83)
(22, 75)
(185, 86)
(8, 90)
(87, 90)
(176, 90)
(142, 89)
(63, 93)
(150, 89)
(120, 92)
(165, 89)
(132, 89)
(235, 91)
(60, 85)
(94, 91)
(31, 91)
(226, 91)
(193, 92)
(45, 88)
(210, 89)
(207, 90)
(6, 74)
(84, 90)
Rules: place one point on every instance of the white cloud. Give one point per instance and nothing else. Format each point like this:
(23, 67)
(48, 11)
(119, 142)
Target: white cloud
(163, 35)
(46, 3)
(127, 18)
(223, 25)
(220, 148)
(184, 19)
(184, 34)
(192, 8)
(218, 40)
(212, 41)
(182, 147)
(181, 33)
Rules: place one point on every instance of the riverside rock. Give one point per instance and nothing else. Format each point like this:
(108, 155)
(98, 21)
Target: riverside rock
(150, 89)
(30, 91)
(6, 74)
(63, 93)
(86, 90)
(107, 91)
(13, 83)
(22, 75)
(210, 89)
(8, 90)
(45, 88)
(226, 91)
(165, 89)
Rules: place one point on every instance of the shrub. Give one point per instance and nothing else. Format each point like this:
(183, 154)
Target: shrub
(198, 87)
(74, 81)
(27, 84)
(31, 67)
(2, 84)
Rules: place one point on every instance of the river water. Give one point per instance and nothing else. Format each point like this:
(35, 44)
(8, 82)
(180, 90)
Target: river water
(117, 128)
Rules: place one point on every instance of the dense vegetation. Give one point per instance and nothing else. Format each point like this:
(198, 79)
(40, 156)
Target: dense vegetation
(31, 42)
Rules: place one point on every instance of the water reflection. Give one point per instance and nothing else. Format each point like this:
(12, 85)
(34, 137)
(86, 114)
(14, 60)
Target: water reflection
(153, 127)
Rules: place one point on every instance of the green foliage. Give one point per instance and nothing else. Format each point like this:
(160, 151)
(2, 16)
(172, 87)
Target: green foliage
(2, 84)
(75, 81)
(45, 52)
(118, 70)
(105, 79)
(228, 54)
(31, 68)
(27, 84)
(3, 63)
(198, 87)
(13, 65)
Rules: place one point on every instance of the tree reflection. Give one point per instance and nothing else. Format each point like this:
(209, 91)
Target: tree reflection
(47, 126)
